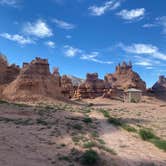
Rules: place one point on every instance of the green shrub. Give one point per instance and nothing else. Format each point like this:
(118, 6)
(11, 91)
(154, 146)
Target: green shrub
(105, 113)
(87, 120)
(3, 102)
(115, 121)
(77, 126)
(90, 157)
(161, 144)
(41, 122)
(89, 144)
(101, 141)
(107, 149)
(129, 128)
(147, 134)
(95, 134)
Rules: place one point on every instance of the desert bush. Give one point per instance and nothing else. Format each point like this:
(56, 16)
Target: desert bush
(90, 157)
(105, 113)
(147, 134)
(77, 126)
(3, 102)
(115, 121)
(161, 144)
(89, 144)
(41, 122)
(87, 120)
(129, 128)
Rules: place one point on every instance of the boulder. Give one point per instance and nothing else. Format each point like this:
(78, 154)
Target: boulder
(125, 78)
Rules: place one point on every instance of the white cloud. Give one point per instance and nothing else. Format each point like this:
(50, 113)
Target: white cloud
(162, 22)
(89, 56)
(132, 14)
(39, 29)
(71, 51)
(50, 44)
(64, 25)
(93, 57)
(146, 49)
(9, 2)
(148, 25)
(149, 67)
(68, 36)
(140, 48)
(143, 63)
(100, 10)
(158, 22)
(17, 38)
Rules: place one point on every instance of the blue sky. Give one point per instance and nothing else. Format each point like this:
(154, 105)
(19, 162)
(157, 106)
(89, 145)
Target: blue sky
(81, 36)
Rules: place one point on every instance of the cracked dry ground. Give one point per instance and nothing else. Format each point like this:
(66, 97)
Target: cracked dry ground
(58, 135)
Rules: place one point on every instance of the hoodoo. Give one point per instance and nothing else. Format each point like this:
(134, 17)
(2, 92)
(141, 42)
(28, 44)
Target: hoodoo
(91, 88)
(125, 78)
(160, 85)
(8, 73)
(34, 82)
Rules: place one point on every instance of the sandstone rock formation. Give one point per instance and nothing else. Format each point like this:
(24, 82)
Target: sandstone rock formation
(125, 78)
(34, 82)
(57, 76)
(67, 88)
(91, 88)
(8, 73)
(160, 85)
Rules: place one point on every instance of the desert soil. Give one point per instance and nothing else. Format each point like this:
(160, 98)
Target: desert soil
(55, 135)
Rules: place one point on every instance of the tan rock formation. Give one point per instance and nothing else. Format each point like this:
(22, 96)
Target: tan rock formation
(8, 73)
(91, 88)
(67, 86)
(125, 78)
(34, 82)
(160, 85)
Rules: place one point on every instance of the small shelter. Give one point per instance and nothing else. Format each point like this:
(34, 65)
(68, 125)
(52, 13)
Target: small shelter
(133, 95)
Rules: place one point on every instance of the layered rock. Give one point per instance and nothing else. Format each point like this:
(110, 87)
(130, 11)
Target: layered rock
(34, 81)
(91, 88)
(125, 78)
(8, 73)
(57, 76)
(67, 88)
(160, 85)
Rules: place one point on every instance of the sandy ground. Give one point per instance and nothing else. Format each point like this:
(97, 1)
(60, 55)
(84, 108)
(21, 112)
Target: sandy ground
(55, 135)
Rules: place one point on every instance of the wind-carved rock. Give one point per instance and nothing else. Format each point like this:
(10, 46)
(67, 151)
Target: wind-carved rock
(8, 73)
(34, 81)
(91, 88)
(57, 76)
(67, 88)
(125, 78)
(160, 85)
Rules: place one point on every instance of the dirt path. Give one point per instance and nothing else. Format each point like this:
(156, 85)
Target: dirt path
(130, 147)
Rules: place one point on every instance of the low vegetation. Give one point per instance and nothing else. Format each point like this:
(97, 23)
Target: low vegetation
(148, 135)
(90, 157)
(117, 122)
